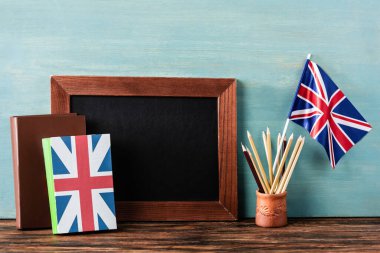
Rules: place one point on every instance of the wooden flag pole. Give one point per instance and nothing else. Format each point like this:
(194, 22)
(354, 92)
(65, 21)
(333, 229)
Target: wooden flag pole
(282, 136)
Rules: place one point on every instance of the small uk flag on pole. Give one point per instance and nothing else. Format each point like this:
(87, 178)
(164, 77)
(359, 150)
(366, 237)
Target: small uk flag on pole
(326, 113)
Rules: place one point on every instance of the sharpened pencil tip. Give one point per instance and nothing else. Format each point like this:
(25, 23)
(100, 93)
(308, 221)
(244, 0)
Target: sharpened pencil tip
(247, 149)
(248, 133)
(242, 146)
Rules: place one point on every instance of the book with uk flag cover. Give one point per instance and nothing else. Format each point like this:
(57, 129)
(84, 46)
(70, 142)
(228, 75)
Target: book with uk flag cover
(80, 183)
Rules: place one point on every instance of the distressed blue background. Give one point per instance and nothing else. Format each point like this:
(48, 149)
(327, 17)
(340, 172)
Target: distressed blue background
(261, 43)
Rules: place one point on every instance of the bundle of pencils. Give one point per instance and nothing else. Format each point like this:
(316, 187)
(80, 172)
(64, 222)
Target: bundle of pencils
(279, 172)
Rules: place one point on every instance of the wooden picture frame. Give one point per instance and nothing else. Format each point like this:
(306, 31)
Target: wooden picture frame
(224, 89)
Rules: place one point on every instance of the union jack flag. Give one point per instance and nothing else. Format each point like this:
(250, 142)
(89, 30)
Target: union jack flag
(325, 112)
(80, 184)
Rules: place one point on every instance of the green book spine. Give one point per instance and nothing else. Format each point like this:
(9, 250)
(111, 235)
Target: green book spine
(50, 183)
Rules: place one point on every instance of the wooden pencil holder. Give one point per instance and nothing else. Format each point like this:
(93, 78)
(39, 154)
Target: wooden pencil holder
(271, 210)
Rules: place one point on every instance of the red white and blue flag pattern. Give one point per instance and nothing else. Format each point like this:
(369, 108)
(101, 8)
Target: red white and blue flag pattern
(83, 184)
(325, 112)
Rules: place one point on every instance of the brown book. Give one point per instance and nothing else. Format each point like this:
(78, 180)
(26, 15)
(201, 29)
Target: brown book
(31, 196)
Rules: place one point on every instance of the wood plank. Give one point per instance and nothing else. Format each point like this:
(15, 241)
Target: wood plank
(173, 211)
(141, 86)
(301, 235)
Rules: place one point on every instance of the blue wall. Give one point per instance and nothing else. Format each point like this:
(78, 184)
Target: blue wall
(261, 43)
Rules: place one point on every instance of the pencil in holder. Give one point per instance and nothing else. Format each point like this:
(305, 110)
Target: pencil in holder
(271, 210)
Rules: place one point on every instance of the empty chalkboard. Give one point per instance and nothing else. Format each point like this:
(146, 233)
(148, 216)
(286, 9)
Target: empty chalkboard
(173, 142)
(163, 148)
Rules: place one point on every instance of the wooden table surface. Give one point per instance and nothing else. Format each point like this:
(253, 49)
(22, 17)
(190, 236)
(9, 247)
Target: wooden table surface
(301, 235)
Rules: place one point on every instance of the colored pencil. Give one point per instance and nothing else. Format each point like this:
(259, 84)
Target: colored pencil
(266, 155)
(286, 172)
(257, 157)
(253, 169)
(283, 150)
(293, 165)
(278, 144)
(266, 189)
(278, 172)
(269, 156)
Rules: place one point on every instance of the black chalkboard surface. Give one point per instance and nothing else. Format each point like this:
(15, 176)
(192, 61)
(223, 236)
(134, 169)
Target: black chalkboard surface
(163, 148)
